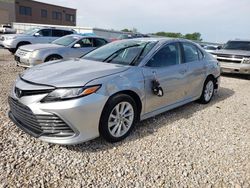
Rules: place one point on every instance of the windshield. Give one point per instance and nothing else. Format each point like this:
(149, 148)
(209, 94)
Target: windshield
(31, 31)
(65, 41)
(121, 52)
(237, 45)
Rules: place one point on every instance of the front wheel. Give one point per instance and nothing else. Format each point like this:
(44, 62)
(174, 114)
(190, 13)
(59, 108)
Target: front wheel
(118, 118)
(208, 91)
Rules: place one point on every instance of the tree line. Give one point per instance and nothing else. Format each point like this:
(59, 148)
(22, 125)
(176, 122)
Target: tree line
(191, 36)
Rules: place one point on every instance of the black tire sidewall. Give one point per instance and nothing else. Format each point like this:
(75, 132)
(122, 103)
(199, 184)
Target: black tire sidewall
(202, 98)
(112, 102)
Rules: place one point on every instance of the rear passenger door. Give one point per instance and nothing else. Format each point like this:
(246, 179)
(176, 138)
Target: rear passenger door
(44, 36)
(194, 59)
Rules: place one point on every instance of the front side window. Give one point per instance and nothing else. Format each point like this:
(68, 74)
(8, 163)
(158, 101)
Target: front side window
(122, 52)
(166, 56)
(26, 11)
(45, 32)
(190, 53)
(85, 43)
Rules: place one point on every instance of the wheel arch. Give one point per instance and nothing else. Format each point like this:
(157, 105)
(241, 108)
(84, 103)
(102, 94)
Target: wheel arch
(133, 95)
(52, 55)
(211, 76)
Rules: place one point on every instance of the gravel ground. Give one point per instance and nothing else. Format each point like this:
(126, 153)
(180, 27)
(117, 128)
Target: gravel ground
(192, 146)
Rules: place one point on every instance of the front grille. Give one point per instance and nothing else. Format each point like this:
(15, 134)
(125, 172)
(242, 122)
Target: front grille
(228, 60)
(232, 56)
(22, 52)
(39, 125)
(21, 93)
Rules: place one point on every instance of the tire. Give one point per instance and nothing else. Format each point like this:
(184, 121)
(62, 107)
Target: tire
(12, 50)
(114, 127)
(208, 91)
(53, 58)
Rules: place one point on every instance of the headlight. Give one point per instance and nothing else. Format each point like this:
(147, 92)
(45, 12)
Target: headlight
(215, 56)
(246, 60)
(34, 54)
(70, 93)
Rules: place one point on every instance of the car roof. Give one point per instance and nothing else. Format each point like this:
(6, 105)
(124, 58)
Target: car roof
(85, 36)
(159, 39)
(241, 40)
(58, 28)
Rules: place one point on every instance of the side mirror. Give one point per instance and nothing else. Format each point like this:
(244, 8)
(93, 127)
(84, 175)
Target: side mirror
(36, 34)
(77, 46)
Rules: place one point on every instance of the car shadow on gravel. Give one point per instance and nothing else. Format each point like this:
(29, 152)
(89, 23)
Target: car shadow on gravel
(145, 128)
(237, 76)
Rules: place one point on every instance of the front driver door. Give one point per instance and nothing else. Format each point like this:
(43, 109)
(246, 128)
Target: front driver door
(84, 46)
(165, 66)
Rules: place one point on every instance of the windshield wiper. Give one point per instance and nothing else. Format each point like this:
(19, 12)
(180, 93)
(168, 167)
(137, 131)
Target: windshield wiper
(116, 53)
(139, 55)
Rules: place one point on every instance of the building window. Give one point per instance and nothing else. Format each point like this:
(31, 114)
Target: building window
(27, 11)
(56, 15)
(44, 13)
(70, 17)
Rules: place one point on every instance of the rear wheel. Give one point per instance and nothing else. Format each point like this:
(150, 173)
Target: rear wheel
(208, 91)
(118, 118)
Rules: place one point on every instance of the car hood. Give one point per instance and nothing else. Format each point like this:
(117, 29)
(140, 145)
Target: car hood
(232, 52)
(33, 47)
(70, 73)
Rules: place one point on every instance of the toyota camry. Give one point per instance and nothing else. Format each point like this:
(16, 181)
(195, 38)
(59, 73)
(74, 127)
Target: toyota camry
(105, 92)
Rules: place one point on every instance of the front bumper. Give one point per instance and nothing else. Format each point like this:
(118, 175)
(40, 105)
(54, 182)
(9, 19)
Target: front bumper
(82, 115)
(9, 44)
(26, 61)
(239, 68)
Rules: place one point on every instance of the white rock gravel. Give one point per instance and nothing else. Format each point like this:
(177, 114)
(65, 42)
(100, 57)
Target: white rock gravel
(192, 146)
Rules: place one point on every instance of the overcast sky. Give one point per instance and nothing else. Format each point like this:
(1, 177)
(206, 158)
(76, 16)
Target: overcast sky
(216, 20)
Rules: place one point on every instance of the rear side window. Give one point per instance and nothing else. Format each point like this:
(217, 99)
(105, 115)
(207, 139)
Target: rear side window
(190, 53)
(68, 32)
(166, 56)
(45, 32)
(99, 42)
(57, 33)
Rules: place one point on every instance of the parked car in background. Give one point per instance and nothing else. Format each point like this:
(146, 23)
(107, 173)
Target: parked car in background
(132, 36)
(7, 29)
(211, 48)
(69, 46)
(109, 89)
(234, 57)
(39, 35)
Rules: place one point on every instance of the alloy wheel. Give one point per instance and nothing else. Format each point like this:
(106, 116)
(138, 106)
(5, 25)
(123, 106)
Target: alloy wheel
(120, 119)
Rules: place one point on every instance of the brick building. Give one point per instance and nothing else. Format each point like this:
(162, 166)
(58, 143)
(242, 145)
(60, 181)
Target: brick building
(28, 11)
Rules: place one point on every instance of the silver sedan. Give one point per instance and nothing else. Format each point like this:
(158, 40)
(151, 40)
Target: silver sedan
(69, 46)
(110, 89)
